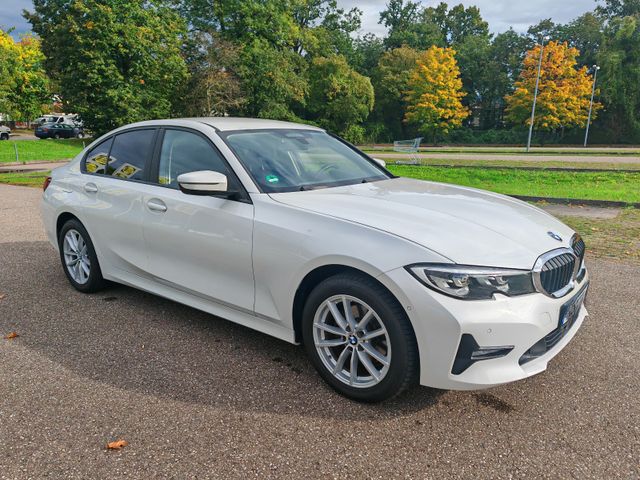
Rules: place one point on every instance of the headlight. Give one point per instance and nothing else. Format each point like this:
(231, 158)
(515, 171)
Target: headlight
(472, 283)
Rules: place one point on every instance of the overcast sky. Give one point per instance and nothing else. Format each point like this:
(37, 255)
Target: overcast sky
(501, 14)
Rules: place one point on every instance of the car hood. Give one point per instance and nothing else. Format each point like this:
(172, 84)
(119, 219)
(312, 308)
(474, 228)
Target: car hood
(466, 225)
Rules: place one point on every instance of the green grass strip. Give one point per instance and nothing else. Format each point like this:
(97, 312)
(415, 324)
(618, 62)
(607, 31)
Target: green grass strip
(615, 186)
(40, 150)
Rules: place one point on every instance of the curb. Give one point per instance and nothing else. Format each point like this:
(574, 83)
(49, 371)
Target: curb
(577, 201)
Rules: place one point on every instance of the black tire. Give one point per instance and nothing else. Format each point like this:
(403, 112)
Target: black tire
(56, 136)
(95, 282)
(4, 136)
(404, 365)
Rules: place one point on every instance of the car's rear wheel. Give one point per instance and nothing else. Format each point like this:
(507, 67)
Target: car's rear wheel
(4, 136)
(78, 257)
(359, 338)
(79, 135)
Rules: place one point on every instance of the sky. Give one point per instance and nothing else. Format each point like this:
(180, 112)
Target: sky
(501, 14)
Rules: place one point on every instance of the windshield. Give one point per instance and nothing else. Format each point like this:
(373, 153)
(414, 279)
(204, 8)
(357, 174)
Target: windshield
(282, 160)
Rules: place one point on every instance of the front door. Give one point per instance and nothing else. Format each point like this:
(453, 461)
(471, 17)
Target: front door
(201, 244)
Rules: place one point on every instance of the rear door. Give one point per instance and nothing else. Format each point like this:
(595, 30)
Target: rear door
(113, 210)
(201, 244)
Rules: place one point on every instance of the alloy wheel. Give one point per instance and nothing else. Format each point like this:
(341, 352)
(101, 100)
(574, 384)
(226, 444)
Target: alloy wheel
(76, 256)
(352, 341)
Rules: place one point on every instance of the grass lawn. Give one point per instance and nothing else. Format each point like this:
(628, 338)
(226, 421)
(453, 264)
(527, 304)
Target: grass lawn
(615, 238)
(26, 179)
(613, 151)
(616, 186)
(520, 163)
(40, 150)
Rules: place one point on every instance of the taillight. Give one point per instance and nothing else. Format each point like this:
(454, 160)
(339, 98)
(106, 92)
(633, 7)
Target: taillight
(46, 183)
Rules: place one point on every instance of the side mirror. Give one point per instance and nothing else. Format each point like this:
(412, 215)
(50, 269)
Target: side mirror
(380, 162)
(203, 182)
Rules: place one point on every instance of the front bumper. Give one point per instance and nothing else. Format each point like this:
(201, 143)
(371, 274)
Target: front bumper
(520, 322)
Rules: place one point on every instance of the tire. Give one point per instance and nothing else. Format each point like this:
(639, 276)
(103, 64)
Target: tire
(78, 277)
(396, 344)
(57, 136)
(4, 136)
(79, 135)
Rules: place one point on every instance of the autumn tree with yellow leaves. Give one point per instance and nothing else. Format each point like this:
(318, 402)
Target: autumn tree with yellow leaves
(564, 92)
(434, 93)
(24, 86)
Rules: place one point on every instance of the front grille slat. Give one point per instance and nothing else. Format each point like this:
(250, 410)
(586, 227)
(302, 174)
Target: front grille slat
(578, 247)
(557, 272)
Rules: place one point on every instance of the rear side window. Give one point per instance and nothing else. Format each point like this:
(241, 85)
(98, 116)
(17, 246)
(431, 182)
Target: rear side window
(129, 154)
(97, 157)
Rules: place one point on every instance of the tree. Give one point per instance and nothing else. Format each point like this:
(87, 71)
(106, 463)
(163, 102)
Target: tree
(456, 24)
(407, 26)
(339, 97)
(495, 74)
(213, 88)
(435, 92)
(24, 86)
(585, 34)
(618, 8)
(564, 91)
(391, 81)
(544, 28)
(366, 54)
(324, 28)
(620, 60)
(116, 61)
(273, 81)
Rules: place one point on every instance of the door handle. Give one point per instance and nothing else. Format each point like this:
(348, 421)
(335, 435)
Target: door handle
(90, 187)
(156, 205)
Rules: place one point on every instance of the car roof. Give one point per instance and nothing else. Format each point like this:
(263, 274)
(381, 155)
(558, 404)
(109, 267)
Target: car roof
(238, 123)
(231, 123)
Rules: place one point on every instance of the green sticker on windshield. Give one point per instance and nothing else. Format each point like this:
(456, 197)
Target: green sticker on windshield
(272, 179)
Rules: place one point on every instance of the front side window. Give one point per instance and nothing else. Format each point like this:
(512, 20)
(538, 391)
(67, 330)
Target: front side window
(283, 160)
(184, 152)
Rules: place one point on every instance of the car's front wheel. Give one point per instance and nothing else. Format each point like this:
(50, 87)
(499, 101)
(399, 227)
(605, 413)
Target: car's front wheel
(359, 338)
(78, 257)
(4, 136)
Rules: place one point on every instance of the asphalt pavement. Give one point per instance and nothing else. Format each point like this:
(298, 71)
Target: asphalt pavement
(199, 397)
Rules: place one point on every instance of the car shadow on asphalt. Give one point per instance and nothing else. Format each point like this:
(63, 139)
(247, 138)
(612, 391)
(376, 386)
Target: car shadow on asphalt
(140, 342)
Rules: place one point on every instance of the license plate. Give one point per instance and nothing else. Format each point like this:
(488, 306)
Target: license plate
(570, 310)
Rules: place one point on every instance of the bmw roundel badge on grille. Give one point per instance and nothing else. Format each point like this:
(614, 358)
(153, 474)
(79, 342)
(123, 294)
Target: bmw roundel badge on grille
(555, 236)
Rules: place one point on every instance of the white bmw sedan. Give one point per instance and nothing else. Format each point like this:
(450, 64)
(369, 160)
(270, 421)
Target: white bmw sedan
(286, 229)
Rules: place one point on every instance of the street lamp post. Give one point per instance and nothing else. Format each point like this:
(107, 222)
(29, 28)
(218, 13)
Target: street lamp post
(593, 92)
(535, 93)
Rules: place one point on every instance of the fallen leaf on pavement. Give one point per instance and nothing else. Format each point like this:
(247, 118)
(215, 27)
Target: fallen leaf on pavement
(1, 296)
(11, 336)
(117, 445)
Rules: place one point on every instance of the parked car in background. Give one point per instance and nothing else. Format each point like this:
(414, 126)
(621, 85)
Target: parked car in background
(284, 228)
(69, 119)
(58, 130)
(4, 132)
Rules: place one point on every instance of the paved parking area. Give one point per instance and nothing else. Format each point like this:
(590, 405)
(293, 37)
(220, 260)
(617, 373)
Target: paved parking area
(198, 397)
